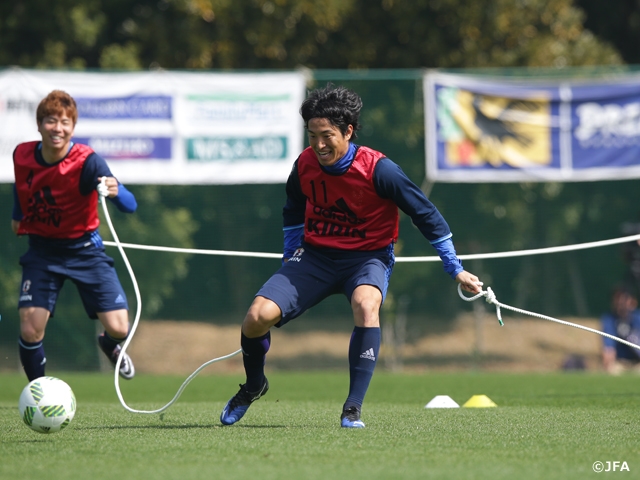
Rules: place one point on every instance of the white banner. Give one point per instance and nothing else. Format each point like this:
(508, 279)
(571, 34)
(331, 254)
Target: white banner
(167, 127)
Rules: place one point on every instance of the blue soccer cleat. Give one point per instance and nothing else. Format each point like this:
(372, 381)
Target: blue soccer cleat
(235, 408)
(351, 418)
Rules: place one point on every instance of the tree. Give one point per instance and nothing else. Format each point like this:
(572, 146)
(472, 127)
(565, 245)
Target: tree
(285, 34)
(485, 33)
(617, 23)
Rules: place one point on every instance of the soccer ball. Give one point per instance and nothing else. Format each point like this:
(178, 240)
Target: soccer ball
(47, 405)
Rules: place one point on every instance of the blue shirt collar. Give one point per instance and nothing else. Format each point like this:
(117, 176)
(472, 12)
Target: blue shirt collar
(70, 146)
(344, 163)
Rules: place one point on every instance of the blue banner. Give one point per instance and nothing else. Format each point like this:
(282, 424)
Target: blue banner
(141, 147)
(481, 129)
(118, 108)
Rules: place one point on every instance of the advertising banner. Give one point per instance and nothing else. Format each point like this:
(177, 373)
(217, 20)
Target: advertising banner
(482, 129)
(167, 127)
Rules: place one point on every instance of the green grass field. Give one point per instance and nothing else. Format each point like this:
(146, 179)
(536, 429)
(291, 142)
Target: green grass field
(552, 426)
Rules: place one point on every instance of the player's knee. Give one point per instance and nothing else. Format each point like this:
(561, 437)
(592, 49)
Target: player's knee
(120, 332)
(366, 308)
(31, 335)
(367, 304)
(116, 323)
(262, 315)
(32, 325)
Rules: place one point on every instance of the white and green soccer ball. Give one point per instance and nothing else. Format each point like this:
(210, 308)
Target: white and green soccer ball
(47, 405)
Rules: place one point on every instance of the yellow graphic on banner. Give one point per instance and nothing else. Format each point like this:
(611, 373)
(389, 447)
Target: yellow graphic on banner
(486, 130)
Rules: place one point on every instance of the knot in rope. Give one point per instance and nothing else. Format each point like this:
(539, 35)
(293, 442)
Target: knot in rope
(490, 296)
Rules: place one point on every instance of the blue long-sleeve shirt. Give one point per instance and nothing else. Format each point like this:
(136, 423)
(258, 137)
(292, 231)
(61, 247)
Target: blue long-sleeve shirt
(629, 331)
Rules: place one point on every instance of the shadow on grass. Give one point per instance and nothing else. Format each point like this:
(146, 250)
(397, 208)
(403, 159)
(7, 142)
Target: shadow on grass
(18, 442)
(579, 395)
(180, 427)
(456, 361)
(326, 362)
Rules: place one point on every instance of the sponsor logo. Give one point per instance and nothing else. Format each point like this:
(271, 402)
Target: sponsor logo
(238, 108)
(339, 213)
(42, 208)
(135, 107)
(369, 354)
(18, 105)
(25, 298)
(236, 148)
(297, 255)
(120, 299)
(26, 286)
(608, 125)
(129, 147)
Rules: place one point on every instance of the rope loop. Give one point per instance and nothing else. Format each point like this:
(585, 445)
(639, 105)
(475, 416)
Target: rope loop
(470, 299)
(490, 297)
(135, 326)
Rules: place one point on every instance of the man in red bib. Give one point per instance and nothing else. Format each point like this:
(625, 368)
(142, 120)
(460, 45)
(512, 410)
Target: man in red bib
(56, 205)
(340, 227)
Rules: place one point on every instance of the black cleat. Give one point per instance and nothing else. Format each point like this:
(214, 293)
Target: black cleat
(127, 370)
(351, 418)
(235, 408)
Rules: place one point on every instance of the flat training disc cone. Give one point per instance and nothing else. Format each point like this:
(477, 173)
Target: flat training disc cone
(442, 401)
(479, 401)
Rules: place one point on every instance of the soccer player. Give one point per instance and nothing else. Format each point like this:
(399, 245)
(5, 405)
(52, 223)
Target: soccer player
(623, 321)
(56, 205)
(340, 227)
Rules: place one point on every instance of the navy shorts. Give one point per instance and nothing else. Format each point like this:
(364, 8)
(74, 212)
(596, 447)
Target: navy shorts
(92, 271)
(312, 275)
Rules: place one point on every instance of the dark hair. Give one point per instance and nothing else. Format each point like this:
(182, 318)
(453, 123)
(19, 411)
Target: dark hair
(624, 289)
(339, 105)
(57, 103)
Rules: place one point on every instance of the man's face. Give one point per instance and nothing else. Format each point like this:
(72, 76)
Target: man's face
(56, 131)
(327, 141)
(624, 304)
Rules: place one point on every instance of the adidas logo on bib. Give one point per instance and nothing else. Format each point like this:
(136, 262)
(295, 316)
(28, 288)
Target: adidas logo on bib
(368, 354)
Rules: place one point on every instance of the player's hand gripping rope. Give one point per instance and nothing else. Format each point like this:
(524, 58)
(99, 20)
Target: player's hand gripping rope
(490, 297)
(104, 192)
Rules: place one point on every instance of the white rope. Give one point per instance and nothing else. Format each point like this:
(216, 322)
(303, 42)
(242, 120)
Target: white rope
(135, 325)
(198, 251)
(477, 256)
(490, 297)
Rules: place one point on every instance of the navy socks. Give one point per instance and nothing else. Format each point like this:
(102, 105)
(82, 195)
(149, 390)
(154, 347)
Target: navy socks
(363, 354)
(254, 351)
(32, 358)
(108, 343)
